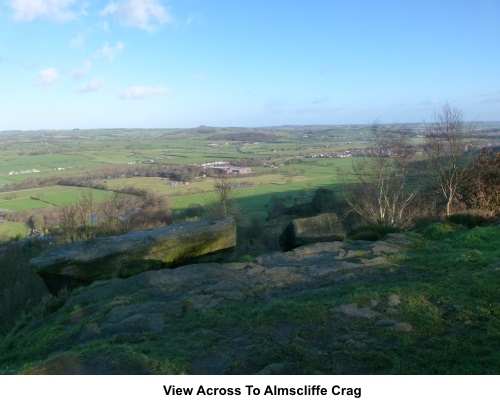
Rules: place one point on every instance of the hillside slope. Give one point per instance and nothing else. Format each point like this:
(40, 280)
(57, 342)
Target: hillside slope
(405, 305)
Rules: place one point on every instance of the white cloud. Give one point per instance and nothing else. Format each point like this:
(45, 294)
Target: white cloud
(106, 52)
(93, 85)
(109, 52)
(142, 92)
(47, 76)
(28, 10)
(82, 70)
(148, 15)
(78, 41)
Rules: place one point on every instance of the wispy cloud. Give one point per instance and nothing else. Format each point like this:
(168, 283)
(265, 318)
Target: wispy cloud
(47, 76)
(105, 52)
(143, 92)
(321, 100)
(78, 41)
(149, 15)
(200, 76)
(491, 98)
(90, 86)
(84, 69)
(316, 110)
(109, 52)
(28, 10)
(431, 102)
(275, 106)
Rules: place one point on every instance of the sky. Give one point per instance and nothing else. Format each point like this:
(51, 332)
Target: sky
(68, 64)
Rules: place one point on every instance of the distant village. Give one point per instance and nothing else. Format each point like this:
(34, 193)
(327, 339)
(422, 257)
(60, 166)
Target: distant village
(225, 168)
(13, 172)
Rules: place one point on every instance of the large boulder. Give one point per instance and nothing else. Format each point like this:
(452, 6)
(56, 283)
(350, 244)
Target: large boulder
(160, 307)
(122, 256)
(303, 231)
(20, 288)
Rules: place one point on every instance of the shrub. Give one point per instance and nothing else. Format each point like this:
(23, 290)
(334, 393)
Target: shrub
(468, 220)
(372, 232)
(481, 190)
(365, 235)
(324, 200)
(441, 230)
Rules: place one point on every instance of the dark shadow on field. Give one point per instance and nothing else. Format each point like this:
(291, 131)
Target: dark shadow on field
(244, 208)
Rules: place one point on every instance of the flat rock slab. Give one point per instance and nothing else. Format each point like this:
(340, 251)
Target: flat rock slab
(133, 253)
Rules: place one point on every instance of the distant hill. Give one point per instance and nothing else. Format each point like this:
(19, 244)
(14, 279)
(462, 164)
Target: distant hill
(245, 137)
(203, 129)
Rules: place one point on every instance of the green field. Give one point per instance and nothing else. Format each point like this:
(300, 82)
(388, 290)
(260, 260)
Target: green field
(289, 161)
(44, 197)
(12, 229)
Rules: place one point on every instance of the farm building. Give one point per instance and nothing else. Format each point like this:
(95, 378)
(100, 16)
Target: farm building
(241, 170)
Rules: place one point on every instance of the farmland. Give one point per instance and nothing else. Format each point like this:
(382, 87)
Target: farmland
(290, 162)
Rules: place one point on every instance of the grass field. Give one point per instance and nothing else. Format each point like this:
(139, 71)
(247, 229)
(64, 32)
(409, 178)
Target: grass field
(45, 197)
(84, 152)
(12, 229)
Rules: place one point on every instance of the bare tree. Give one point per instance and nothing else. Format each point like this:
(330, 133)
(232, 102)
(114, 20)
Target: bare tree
(382, 191)
(68, 223)
(77, 221)
(117, 213)
(224, 191)
(449, 148)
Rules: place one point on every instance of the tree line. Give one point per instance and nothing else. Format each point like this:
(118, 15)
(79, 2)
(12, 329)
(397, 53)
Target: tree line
(395, 186)
(87, 218)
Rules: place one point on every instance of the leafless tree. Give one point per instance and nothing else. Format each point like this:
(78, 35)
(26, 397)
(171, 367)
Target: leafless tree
(68, 223)
(383, 190)
(77, 220)
(449, 147)
(224, 191)
(114, 211)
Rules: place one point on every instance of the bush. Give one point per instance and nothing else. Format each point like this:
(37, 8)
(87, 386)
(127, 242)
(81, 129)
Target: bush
(195, 210)
(481, 188)
(365, 235)
(468, 220)
(324, 200)
(372, 232)
(441, 230)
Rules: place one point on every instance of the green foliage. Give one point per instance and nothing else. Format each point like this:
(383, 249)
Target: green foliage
(372, 232)
(441, 230)
(324, 200)
(468, 220)
(481, 188)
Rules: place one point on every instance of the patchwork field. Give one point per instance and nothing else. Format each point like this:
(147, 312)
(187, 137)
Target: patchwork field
(46, 196)
(290, 162)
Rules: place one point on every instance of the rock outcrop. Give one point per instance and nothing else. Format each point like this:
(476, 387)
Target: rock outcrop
(303, 231)
(20, 289)
(148, 307)
(133, 253)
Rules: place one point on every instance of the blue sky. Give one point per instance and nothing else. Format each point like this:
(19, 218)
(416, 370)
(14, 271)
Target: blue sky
(182, 63)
